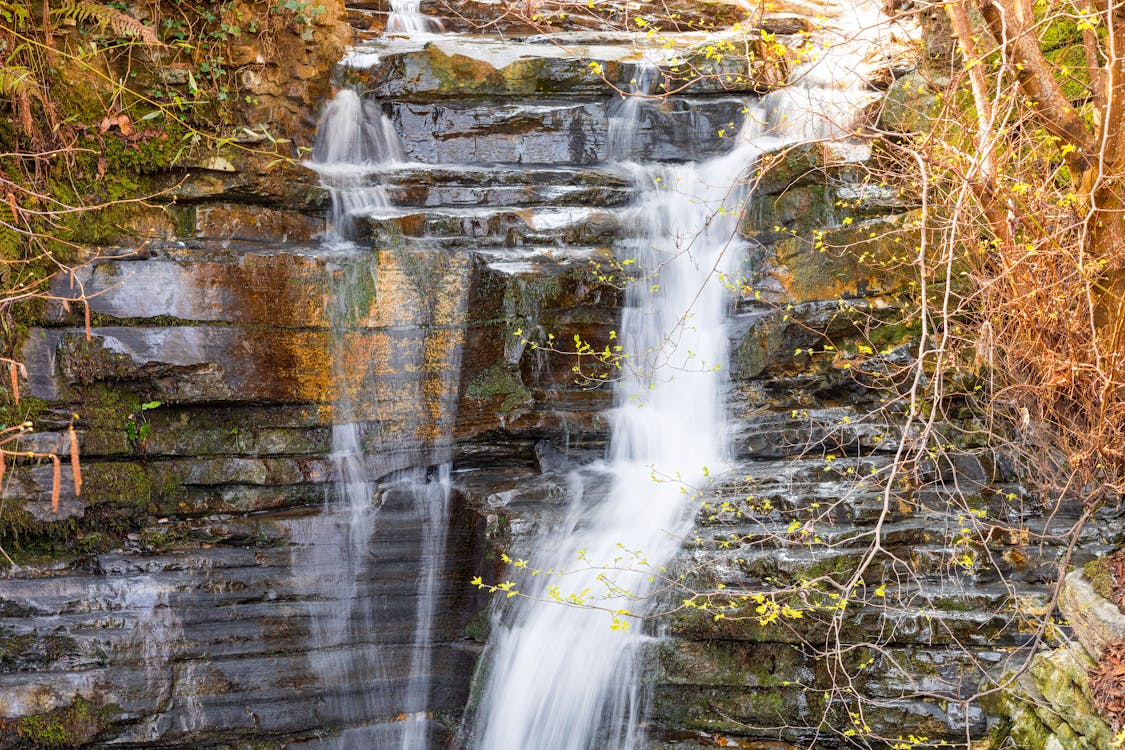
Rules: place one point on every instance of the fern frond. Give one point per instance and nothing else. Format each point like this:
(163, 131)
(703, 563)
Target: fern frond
(87, 11)
(9, 238)
(16, 79)
(15, 14)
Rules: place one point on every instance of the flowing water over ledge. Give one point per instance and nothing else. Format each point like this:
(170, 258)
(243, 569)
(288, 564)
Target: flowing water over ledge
(567, 677)
(385, 496)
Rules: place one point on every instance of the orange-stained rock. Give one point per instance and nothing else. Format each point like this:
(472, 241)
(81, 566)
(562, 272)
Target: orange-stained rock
(858, 260)
(255, 224)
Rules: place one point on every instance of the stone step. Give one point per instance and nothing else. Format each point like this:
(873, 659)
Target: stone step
(294, 287)
(497, 16)
(826, 431)
(561, 131)
(575, 64)
(429, 186)
(934, 614)
(505, 227)
(206, 364)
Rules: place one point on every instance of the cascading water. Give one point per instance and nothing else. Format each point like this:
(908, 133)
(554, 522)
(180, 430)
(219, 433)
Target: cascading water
(562, 677)
(431, 498)
(387, 509)
(330, 551)
(407, 18)
(354, 142)
(625, 112)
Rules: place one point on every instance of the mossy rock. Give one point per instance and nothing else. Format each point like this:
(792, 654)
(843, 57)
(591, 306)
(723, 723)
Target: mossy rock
(791, 167)
(910, 105)
(70, 726)
(1098, 574)
(501, 381)
(432, 73)
(798, 210)
(858, 259)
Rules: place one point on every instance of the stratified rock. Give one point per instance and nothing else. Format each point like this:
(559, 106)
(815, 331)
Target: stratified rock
(1097, 622)
(857, 259)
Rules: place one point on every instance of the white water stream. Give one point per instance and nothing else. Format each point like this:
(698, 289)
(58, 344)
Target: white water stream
(559, 677)
(407, 19)
(377, 675)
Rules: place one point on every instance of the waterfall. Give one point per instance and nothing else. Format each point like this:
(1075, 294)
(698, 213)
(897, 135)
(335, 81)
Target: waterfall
(406, 18)
(432, 498)
(625, 112)
(355, 142)
(562, 677)
(386, 508)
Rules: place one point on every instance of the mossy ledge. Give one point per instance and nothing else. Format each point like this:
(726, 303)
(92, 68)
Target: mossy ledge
(73, 725)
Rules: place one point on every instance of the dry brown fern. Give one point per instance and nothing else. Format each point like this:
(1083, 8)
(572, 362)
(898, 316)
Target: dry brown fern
(103, 16)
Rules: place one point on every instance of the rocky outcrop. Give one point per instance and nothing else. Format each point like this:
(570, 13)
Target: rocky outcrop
(1051, 705)
(190, 594)
(182, 598)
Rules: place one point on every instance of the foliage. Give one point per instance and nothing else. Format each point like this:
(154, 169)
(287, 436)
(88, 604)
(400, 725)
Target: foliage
(1024, 267)
(105, 17)
(97, 103)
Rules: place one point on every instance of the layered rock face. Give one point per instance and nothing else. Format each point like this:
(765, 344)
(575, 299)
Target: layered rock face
(229, 612)
(1053, 705)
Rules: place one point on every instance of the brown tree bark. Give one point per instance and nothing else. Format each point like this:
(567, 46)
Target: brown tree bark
(1013, 28)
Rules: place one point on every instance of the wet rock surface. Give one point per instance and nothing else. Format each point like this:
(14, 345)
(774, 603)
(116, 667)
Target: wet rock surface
(1052, 705)
(173, 603)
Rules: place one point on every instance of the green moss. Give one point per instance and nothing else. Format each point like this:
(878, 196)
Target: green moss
(479, 627)
(1100, 577)
(35, 410)
(890, 335)
(161, 321)
(70, 726)
(27, 539)
(161, 540)
(128, 486)
(1062, 31)
(144, 156)
(955, 604)
(1028, 730)
(106, 225)
(789, 168)
(1071, 59)
(185, 219)
(12, 647)
(524, 297)
(120, 498)
(356, 294)
(498, 380)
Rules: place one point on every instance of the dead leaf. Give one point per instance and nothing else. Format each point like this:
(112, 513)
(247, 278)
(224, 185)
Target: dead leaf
(56, 484)
(121, 122)
(74, 463)
(1107, 684)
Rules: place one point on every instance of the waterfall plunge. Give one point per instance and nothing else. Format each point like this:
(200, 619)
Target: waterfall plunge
(559, 677)
(354, 652)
